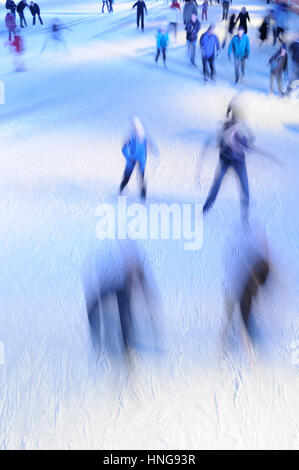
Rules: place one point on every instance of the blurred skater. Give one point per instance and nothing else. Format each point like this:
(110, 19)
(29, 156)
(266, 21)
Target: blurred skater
(225, 9)
(20, 9)
(17, 49)
(162, 40)
(141, 9)
(230, 30)
(11, 25)
(56, 36)
(119, 277)
(264, 28)
(174, 17)
(234, 139)
(135, 151)
(249, 266)
(278, 66)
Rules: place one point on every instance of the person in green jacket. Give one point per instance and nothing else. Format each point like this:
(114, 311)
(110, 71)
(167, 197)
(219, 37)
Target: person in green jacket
(240, 48)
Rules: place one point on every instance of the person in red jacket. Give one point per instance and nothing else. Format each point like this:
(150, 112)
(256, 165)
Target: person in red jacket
(17, 48)
(10, 23)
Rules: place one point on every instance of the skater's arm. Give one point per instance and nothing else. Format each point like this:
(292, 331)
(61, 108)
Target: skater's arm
(266, 154)
(135, 5)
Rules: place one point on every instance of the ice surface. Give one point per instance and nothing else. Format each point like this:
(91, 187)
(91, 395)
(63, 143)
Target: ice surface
(62, 127)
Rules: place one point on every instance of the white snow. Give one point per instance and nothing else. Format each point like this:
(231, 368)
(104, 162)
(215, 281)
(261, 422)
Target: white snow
(61, 129)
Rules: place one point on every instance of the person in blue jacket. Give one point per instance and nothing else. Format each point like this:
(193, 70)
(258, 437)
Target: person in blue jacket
(209, 44)
(240, 48)
(135, 151)
(162, 43)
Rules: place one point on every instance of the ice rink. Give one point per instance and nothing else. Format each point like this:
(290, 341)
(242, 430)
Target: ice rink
(61, 130)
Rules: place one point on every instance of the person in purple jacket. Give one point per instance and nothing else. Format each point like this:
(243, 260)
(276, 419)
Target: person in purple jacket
(210, 46)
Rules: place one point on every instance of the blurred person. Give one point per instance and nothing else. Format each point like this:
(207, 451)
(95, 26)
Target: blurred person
(192, 28)
(174, 17)
(111, 6)
(17, 49)
(204, 8)
(234, 140)
(231, 27)
(20, 9)
(118, 276)
(240, 48)
(141, 9)
(210, 47)
(278, 66)
(264, 28)
(135, 151)
(10, 5)
(247, 271)
(281, 19)
(190, 9)
(56, 36)
(162, 40)
(11, 25)
(243, 17)
(35, 11)
(225, 9)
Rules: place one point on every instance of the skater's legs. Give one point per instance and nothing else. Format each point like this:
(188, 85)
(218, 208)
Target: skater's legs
(240, 168)
(237, 69)
(127, 174)
(40, 20)
(125, 315)
(157, 54)
(222, 169)
(243, 66)
(212, 69)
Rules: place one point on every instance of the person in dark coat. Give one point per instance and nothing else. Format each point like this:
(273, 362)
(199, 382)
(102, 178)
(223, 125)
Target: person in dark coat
(192, 28)
(35, 11)
(264, 28)
(234, 140)
(243, 18)
(11, 6)
(231, 27)
(141, 8)
(278, 65)
(20, 9)
(225, 9)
